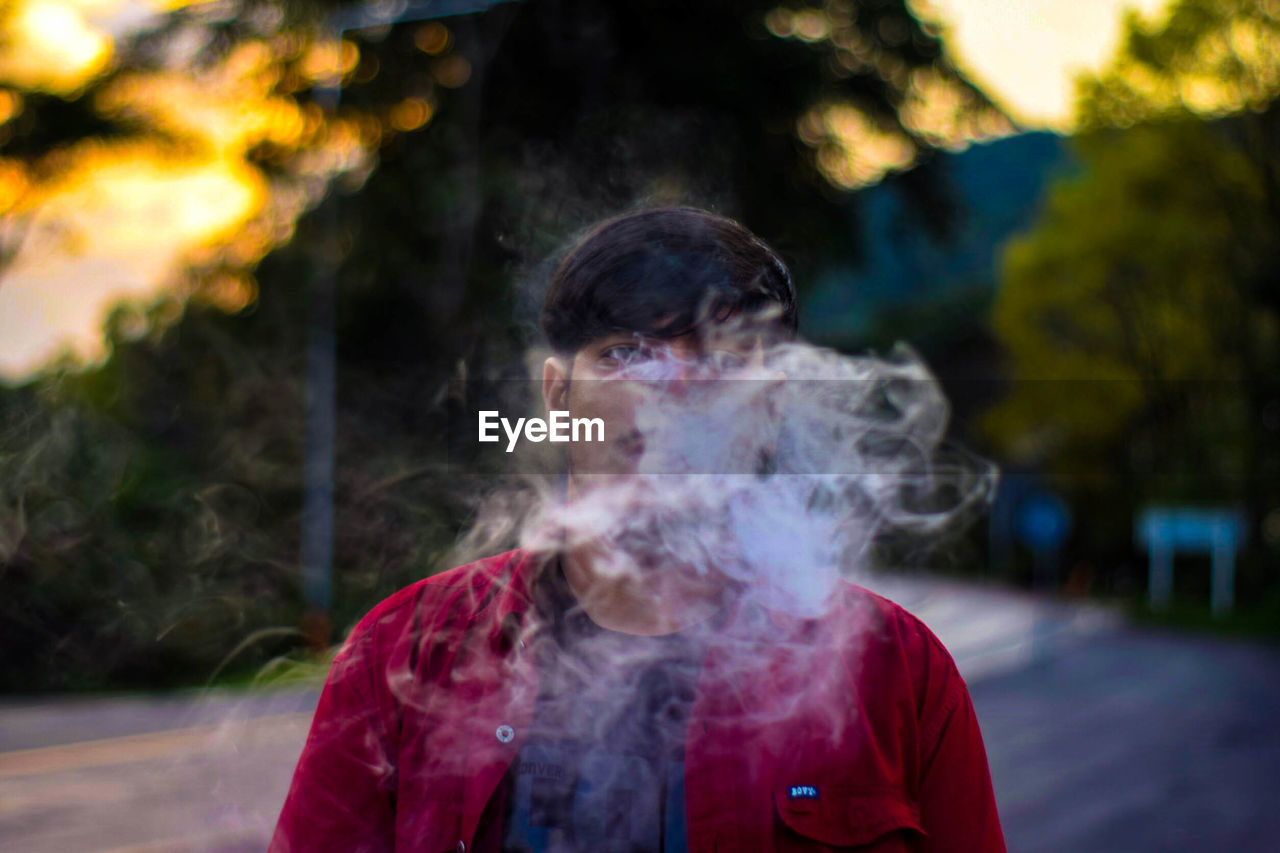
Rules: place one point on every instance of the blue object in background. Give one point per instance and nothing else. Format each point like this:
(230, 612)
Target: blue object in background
(1043, 521)
(1165, 531)
(1026, 512)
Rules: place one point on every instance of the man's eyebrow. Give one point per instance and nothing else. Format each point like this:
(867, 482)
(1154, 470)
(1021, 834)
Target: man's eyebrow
(621, 338)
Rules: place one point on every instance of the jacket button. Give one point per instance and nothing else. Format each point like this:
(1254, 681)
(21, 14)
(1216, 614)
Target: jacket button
(505, 734)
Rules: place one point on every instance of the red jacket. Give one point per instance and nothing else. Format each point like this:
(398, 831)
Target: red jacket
(803, 735)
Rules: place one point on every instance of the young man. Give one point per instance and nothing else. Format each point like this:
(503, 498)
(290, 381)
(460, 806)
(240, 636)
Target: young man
(601, 694)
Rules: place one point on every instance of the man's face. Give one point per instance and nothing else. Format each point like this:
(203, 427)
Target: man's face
(612, 377)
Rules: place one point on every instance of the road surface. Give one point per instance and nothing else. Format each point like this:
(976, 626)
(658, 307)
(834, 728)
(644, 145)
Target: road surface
(1100, 738)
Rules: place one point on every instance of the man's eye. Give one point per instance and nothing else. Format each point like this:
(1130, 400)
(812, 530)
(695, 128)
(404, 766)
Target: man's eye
(622, 355)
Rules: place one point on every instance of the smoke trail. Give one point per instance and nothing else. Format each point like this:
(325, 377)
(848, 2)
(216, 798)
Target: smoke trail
(778, 476)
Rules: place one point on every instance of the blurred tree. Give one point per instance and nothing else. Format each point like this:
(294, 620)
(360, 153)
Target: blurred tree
(1206, 58)
(605, 103)
(152, 501)
(1142, 314)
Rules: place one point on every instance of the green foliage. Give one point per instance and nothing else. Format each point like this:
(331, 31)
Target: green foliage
(1140, 315)
(1254, 618)
(1206, 57)
(146, 512)
(1129, 283)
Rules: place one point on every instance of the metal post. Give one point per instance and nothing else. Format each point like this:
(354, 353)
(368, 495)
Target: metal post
(317, 505)
(1160, 582)
(1224, 572)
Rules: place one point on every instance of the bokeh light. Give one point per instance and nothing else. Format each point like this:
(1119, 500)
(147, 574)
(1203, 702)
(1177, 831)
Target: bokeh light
(50, 46)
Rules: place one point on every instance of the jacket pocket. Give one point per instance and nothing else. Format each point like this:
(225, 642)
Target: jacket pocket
(834, 818)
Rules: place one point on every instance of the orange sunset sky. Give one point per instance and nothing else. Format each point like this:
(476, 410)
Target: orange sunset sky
(121, 220)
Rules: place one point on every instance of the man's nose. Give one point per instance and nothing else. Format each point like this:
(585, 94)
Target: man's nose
(684, 350)
(684, 363)
(686, 373)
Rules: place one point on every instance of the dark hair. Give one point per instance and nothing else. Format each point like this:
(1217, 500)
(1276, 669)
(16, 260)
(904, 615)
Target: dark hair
(664, 272)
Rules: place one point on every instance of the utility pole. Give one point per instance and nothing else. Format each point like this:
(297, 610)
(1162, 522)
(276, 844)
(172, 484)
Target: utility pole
(321, 425)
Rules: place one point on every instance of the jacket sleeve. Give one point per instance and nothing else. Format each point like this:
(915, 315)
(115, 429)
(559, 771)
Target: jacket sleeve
(957, 803)
(342, 795)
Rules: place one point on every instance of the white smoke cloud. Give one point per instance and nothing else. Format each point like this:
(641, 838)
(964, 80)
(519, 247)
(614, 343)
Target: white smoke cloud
(778, 475)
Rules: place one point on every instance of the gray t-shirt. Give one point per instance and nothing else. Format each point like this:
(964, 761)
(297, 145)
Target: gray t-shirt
(603, 766)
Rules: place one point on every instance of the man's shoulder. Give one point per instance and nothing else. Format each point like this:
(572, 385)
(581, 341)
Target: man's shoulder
(462, 592)
(888, 615)
(892, 630)
(899, 643)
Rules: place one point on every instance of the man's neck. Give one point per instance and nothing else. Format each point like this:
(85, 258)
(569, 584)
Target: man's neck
(632, 600)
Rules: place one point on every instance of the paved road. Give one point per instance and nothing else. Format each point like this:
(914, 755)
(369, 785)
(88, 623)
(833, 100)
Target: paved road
(1138, 742)
(205, 773)
(1100, 739)
(30, 725)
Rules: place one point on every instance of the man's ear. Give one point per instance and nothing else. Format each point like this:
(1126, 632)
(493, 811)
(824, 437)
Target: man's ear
(555, 383)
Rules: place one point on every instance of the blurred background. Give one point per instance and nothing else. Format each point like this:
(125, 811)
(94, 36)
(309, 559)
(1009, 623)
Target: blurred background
(250, 250)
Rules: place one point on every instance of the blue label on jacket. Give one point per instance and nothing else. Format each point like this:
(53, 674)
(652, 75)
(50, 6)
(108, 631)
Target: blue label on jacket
(804, 792)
